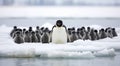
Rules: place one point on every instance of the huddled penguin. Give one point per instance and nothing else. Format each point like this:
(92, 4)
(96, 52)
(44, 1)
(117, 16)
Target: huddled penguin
(102, 34)
(24, 30)
(13, 31)
(96, 34)
(92, 35)
(78, 34)
(30, 31)
(33, 37)
(114, 32)
(38, 36)
(18, 38)
(109, 33)
(59, 33)
(73, 36)
(17, 30)
(27, 37)
(45, 36)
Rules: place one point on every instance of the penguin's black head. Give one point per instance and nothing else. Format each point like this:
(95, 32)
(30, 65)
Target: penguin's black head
(18, 33)
(73, 28)
(95, 31)
(42, 28)
(102, 29)
(37, 27)
(59, 23)
(30, 28)
(33, 32)
(113, 29)
(83, 28)
(24, 29)
(88, 28)
(26, 32)
(36, 31)
(15, 27)
(109, 31)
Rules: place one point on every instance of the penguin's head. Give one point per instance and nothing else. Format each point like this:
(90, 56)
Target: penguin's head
(15, 27)
(95, 31)
(24, 29)
(113, 29)
(30, 28)
(37, 27)
(59, 23)
(17, 33)
(26, 32)
(42, 28)
(33, 32)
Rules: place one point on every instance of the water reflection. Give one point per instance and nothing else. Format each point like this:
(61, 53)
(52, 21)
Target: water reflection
(98, 61)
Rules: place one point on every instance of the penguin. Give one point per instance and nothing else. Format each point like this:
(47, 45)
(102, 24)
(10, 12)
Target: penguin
(13, 31)
(27, 37)
(114, 32)
(45, 36)
(96, 34)
(92, 35)
(38, 36)
(78, 34)
(30, 31)
(24, 30)
(83, 33)
(18, 38)
(109, 33)
(17, 30)
(102, 34)
(33, 37)
(38, 29)
(59, 33)
(41, 30)
(88, 29)
(73, 36)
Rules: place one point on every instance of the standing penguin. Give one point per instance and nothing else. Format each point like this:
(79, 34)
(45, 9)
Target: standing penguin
(96, 34)
(92, 35)
(114, 32)
(45, 36)
(33, 37)
(109, 33)
(38, 36)
(18, 38)
(73, 36)
(27, 37)
(59, 33)
(102, 34)
(13, 31)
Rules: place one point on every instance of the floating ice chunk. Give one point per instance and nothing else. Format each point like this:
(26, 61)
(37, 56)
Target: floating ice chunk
(105, 53)
(62, 54)
(23, 53)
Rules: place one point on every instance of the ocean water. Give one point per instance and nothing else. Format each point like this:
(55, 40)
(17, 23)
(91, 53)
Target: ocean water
(69, 22)
(99, 61)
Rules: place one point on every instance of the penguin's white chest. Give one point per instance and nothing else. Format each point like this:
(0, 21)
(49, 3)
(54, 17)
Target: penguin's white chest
(59, 35)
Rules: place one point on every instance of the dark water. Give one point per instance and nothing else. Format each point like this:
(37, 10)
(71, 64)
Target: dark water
(76, 22)
(98, 61)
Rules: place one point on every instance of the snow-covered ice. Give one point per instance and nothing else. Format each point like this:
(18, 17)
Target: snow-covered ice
(77, 49)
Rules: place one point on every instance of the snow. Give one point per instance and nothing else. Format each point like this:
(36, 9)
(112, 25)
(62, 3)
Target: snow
(78, 49)
(59, 11)
(47, 25)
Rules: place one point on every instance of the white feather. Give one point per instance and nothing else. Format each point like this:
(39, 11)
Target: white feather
(59, 35)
